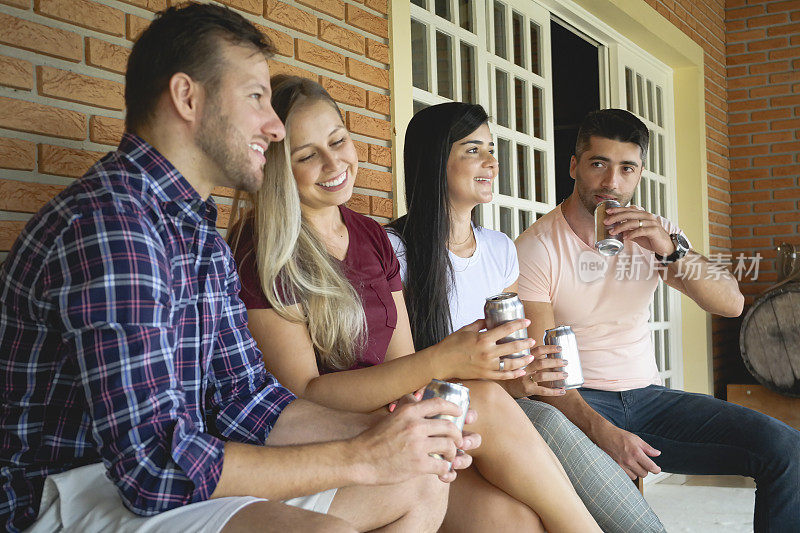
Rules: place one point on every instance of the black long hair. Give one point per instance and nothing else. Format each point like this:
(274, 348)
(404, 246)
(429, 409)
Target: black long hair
(425, 229)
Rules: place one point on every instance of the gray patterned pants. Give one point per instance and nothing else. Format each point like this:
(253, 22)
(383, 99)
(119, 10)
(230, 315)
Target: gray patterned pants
(605, 489)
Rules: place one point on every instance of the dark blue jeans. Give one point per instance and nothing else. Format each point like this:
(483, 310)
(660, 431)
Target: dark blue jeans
(698, 434)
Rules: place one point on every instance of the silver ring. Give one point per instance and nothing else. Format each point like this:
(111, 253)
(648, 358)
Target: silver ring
(502, 365)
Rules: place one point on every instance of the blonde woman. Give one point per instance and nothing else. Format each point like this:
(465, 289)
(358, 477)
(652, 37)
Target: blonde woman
(325, 305)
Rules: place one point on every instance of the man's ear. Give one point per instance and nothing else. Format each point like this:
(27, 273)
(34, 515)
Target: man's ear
(185, 94)
(573, 163)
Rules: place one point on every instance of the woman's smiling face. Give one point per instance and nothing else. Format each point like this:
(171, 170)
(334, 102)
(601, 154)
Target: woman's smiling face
(472, 169)
(323, 157)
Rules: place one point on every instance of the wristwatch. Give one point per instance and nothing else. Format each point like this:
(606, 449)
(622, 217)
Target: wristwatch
(681, 249)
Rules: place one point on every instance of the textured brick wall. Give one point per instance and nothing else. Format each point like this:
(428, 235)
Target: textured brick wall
(62, 65)
(763, 53)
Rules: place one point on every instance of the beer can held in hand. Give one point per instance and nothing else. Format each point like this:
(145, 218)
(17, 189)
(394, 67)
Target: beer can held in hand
(604, 242)
(502, 308)
(452, 392)
(564, 336)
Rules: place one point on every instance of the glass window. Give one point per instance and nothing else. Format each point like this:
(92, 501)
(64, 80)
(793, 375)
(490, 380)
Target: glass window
(444, 65)
(468, 73)
(500, 30)
(504, 160)
(518, 34)
(419, 55)
(501, 98)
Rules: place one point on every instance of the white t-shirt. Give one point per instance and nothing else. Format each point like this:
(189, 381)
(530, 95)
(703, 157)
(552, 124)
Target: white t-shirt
(491, 269)
(604, 299)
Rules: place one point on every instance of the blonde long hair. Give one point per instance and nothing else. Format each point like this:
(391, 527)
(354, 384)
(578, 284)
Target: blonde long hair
(291, 259)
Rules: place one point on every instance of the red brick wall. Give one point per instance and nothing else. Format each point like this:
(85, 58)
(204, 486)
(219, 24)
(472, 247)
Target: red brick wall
(62, 65)
(763, 53)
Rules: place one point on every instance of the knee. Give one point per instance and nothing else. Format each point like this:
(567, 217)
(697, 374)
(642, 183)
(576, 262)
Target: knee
(487, 393)
(782, 445)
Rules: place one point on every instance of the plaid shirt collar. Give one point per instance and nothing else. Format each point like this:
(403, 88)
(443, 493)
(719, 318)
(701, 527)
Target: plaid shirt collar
(166, 182)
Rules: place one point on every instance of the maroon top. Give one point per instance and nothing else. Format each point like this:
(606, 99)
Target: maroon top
(371, 267)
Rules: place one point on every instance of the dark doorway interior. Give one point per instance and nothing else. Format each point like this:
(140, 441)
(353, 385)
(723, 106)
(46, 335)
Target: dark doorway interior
(576, 91)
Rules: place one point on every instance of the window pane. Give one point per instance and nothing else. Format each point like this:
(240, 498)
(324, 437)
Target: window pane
(644, 193)
(523, 173)
(665, 301)
(654, 198)
(629, 90)
(419, 106)
(662, 189)
(501, 98)
(518, 21)
(420, 3)
(536, 67)
(659, 117)
(538, 115)
(504, 160)
(444, 65)
(500, 30)
(539, 179)
(520, 106)
(419, 55)
(657, 305)
(443, 9)
(465, 14)
(507, 222)
(525, 220)
(661, 155)
(668, 383)
(640, 94)
(467, 73)
(667, 354)
(659, 354)
(650, 115)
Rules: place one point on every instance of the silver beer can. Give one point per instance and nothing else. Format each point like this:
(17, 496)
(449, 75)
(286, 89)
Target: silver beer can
(564, 336)
(604, 242)
(452, 392)
(502, 308)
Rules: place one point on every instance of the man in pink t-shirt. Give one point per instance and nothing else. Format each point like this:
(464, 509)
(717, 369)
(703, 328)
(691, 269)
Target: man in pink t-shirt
(623, 407)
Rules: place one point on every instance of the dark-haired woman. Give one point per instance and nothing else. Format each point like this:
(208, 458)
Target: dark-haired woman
(322, 288)
(449, 266)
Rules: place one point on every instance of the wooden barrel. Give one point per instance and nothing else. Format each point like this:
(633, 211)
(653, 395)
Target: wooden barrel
(770, 339)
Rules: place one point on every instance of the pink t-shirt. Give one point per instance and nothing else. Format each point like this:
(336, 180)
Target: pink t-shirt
(604, 299)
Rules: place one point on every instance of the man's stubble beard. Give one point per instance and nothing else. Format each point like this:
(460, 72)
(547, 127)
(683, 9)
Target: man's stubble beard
(587, 197)
(226, 147)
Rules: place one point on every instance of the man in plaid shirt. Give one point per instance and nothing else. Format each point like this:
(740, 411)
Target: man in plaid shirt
(124, 351)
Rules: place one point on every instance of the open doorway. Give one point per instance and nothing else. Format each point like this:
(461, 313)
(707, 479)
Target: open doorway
(576, 92)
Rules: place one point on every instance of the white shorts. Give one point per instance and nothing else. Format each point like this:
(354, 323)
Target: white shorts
(85, 500)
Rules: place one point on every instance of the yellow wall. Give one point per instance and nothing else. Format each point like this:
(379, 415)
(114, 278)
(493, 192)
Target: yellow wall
(647, 28)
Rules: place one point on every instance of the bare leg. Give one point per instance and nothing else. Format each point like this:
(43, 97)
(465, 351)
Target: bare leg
(515, 458)
(279, 517)
(417, 505)
(478, 506)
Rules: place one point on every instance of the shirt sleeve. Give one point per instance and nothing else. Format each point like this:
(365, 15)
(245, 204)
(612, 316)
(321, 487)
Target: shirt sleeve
(387, 256)
(512, 265)
(107, 277)
(399, 252)
(535, 278)
(246, 400)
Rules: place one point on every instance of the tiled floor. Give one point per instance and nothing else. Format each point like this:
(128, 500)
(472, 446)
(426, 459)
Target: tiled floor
(703, 504)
